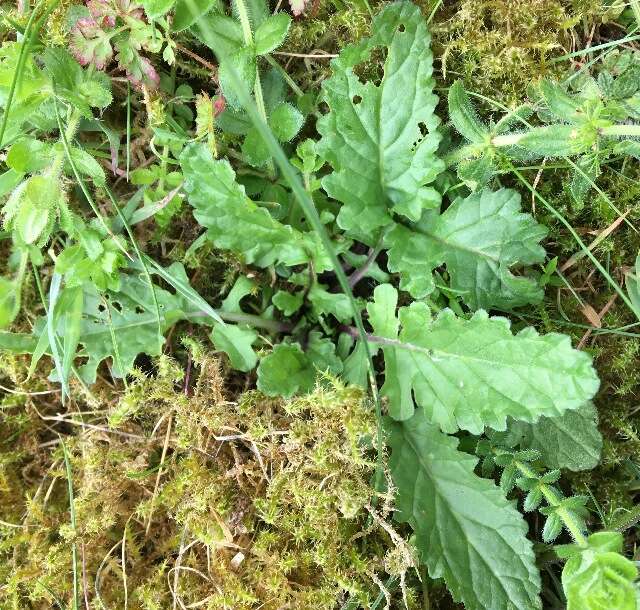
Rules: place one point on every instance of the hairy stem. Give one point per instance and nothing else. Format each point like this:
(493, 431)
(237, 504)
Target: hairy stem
(622, 130)
(553, 499)
(24, 259)
(69, 133)
(507, 140)
(245, 23)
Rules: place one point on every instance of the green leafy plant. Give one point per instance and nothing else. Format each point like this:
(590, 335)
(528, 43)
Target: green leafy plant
(359, 251)
(241, 40)
(113, 25)
(589, 123)
(596, 574)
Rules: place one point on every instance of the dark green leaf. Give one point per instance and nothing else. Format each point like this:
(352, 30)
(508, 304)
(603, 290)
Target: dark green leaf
(465, 530)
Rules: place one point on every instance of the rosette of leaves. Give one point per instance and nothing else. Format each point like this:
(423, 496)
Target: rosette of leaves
(589, 123)
(597, 575)
(374, 176)
(410, 249)
(118, 28)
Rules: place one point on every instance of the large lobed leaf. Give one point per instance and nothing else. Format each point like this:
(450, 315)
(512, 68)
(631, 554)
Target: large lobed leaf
(479, 238)
(115, 326)
(474, 373)
(236, 223)
(380, 140)
(465, 530)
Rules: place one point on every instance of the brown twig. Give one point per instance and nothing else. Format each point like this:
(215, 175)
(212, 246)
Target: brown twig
(213, 69)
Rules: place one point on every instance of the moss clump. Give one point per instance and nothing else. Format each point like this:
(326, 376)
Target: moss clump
(181, 493)
(500, 47)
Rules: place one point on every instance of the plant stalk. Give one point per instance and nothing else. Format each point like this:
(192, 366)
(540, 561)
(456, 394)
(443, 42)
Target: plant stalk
(245, 23)
(622, 130)
(553, 499)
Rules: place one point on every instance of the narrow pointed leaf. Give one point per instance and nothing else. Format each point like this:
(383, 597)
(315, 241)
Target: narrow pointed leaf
(463, 115)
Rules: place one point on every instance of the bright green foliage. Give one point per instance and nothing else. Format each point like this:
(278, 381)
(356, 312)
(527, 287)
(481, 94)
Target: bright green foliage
(7, 302)
(188, 11)
(286, 302)
(118, 325)
(285, 372)
(239, 41)
(466, 531)
(474, 373)
(381, 140)
(38, 201)
(570, 441)
(112, 328)
(271, 33)
(325, 302)
(588, 124)
(236, 342)
(426, 256)
(234, 222)
(521, 469)
(288, 370)
(463, 115)
(598, 577)
(478, 238)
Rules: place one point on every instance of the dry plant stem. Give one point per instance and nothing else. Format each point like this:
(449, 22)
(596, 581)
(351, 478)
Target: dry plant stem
(318, 55)
(123, 560)
(601, 314)
(165, 448)
(85, 584)
(200, 60)
(599, 238)
(178, 565)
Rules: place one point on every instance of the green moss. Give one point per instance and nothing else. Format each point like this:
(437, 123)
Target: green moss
(500, 47)
(244, 503)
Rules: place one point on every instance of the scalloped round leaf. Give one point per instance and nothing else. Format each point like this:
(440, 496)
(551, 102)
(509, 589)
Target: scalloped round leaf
(285, 122)
(285, 371)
